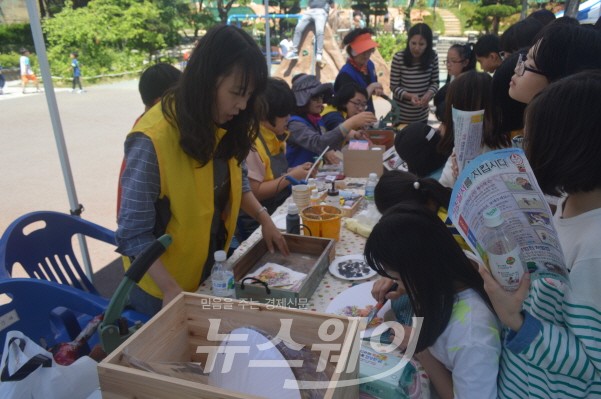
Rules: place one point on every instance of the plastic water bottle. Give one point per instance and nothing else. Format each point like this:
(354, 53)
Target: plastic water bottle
(370, 186)
(292, 220)
(503, 252)
(222, 277)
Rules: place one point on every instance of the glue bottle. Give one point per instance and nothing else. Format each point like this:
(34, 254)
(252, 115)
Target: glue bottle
(315, 197)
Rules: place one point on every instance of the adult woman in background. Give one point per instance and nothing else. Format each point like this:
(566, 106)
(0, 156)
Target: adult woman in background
(414, 75)
(359, 68)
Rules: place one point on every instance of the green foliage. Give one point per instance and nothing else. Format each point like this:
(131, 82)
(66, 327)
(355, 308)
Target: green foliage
(15, 36)
(391, 44)
(110, 36)
(11, 60)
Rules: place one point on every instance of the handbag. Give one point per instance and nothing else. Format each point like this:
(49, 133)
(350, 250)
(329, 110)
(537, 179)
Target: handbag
(28, 371)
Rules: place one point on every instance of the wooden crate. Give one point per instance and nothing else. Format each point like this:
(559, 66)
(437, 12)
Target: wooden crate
(176, 332)
(309, 255)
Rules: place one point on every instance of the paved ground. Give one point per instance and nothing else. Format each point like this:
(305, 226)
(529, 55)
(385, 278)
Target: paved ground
(94, 124)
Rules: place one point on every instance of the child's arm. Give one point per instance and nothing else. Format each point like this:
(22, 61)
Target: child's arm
(439, 375)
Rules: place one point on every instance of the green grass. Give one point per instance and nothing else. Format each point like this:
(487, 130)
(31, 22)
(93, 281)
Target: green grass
(436, 25)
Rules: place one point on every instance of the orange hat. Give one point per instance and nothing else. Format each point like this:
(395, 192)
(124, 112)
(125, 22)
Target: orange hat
(362, 43)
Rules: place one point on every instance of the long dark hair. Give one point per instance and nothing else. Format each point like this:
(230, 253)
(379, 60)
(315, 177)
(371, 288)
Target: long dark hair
(417, 245)
(504, 114)
(191, 104)
(397, 186)
(470, 91)
(424, 31)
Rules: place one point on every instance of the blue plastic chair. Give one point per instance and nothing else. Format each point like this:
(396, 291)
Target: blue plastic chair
(47, 253)
(37, 309)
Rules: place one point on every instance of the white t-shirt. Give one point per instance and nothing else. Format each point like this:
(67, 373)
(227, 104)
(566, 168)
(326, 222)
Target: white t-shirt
(470, 347)
(25, 65)
(579, 238)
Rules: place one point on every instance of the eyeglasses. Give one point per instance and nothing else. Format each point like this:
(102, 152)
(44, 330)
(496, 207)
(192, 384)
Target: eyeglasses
(521, 67)
(454, 62)
(359, 104)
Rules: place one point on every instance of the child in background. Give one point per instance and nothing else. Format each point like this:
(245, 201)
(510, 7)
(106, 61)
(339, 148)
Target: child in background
(552, 341)
(267, 166)
(460, 58)
(27, 74)
(488, 52)
(76, 71)
(306, 139)
(412, 246)
(417, 144)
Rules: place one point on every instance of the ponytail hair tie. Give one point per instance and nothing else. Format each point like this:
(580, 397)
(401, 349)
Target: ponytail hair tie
(416, 185)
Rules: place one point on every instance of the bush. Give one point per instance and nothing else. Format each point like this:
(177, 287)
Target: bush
(391, 44)
(11, 60)
(15, 36)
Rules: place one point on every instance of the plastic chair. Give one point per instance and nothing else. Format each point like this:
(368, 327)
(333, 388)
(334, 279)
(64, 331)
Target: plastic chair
(35, 304)
(47, 253)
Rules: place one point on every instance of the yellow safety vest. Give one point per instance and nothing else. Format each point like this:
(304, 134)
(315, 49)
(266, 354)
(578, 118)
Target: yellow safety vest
(189, 189)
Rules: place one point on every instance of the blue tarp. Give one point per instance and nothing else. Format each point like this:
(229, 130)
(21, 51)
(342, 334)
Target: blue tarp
(588, 12)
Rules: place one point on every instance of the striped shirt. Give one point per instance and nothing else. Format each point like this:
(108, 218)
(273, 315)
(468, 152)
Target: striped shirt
(141, 187)
(557, 352)
(413, 79)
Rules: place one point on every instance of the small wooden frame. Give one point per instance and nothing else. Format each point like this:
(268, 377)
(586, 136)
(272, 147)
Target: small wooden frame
(179, 330)
(309, 255)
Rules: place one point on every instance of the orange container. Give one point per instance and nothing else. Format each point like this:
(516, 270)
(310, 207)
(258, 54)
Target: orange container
(322, 221)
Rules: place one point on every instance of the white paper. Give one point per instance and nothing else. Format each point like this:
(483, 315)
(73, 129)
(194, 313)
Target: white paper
(504, 179)
(392, 160)
(467, 128)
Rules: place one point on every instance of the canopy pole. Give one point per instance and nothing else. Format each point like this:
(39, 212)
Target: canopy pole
(40, 48)
(267, 37)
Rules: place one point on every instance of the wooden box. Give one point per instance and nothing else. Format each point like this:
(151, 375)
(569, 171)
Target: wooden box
(349, 212)
(309, 255)
(179, 331)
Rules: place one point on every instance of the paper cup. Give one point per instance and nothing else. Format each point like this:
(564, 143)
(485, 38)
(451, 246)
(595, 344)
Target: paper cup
(301, 195)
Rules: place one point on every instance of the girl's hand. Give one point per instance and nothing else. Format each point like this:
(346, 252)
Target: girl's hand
(415, 99)
(300, 172)
(508, 305)
(380, 290)
(454, 165)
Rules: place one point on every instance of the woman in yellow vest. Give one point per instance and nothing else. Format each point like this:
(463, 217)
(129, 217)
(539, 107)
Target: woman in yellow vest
(268, 173)
(183, 173)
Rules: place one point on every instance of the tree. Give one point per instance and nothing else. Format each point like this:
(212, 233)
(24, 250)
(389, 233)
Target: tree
(490, 13)
(223, 8)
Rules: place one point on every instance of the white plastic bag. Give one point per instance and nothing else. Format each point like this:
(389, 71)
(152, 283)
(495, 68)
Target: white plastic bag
(28, 371)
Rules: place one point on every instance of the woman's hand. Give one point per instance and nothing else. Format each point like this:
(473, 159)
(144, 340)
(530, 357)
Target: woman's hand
(380, 290)
(331, 157)
(272, 236)
(413, 98)
(375, 89)
(358, 121)
(508, 305)
(425, 99)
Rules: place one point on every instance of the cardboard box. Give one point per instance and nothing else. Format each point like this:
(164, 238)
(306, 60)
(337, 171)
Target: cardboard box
(359, 163)
(309, 255)
(180, 329)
